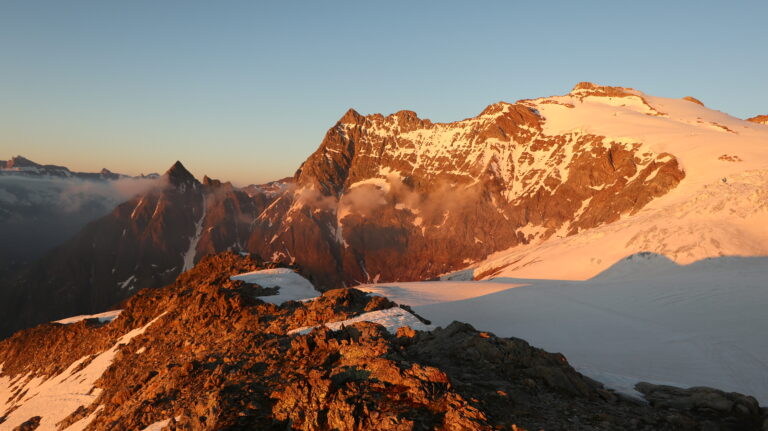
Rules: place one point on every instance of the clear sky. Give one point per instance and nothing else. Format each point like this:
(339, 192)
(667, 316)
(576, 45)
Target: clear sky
(245, 90)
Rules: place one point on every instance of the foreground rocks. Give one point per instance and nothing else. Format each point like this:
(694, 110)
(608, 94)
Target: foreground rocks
(215, 357)
(727, 409)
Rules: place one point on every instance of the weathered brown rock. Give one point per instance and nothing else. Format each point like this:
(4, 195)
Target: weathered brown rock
(29, 425)
(694, 100)
(219, 358)
(761, 119)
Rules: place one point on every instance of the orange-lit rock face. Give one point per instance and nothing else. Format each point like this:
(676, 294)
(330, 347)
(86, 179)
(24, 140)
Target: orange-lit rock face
(694, 100)
(761, 119)
(399, 197)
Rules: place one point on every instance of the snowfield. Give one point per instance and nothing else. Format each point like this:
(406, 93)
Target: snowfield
(644, 319)
(292, 286)
(56, 397)
(719, 219)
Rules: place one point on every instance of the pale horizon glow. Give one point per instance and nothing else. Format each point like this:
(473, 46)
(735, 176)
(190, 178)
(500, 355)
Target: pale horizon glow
(245, 91)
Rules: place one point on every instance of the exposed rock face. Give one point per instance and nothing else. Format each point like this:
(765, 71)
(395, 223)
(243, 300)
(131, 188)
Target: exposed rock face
(395, 198)
(382, 199)
(205, 354)
(694, 100)
(760, 119)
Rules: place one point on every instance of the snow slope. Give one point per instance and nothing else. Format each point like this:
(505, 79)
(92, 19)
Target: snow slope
(720, 208)
(644, 319)
(104, 317)
(718, 219)
(56, 397)
(292, 286)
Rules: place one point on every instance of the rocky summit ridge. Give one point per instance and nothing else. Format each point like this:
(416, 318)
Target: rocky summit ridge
(206, 353)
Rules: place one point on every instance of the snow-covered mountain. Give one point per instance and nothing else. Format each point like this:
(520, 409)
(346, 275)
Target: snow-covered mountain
(20, 165)
(720, 208)
(673, 292)
(587, 177)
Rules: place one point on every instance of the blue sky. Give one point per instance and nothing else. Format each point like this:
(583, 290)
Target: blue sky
(245, 90)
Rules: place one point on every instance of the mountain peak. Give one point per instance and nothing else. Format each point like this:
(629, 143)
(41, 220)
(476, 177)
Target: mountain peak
(22, 162)
(208, 181)
(495, 108)
(583, 89)
(760, 119)
(178, 174)
(351, 116)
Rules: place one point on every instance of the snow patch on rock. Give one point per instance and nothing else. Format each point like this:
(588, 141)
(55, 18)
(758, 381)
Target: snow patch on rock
(56, 397)
(391, 318)
(104, 317)
(292, 286)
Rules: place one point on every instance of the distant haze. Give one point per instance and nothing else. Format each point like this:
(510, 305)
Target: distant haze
(39, 213)
(245, 91)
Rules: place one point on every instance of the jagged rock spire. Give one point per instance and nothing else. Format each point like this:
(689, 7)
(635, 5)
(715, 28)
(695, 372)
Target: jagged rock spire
(178, 174)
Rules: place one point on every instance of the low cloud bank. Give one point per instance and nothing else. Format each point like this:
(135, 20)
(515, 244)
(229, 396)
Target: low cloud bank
(38, 213)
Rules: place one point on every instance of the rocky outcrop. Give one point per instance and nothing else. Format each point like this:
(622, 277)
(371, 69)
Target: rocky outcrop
(209, 355)
(694, 100)
(206, 354)
(760, 119)
(718, 409)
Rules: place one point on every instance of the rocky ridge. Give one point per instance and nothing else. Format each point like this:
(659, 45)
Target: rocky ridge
(205, 353)
(20, 165)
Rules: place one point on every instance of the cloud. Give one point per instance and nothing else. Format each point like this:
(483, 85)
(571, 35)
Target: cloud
(7, 197)
(363, 200)
(313, 198)
(38, 213)
(76, 193)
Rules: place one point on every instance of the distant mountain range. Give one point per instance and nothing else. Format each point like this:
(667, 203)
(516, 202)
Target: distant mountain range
(393, 198)
(20, 165)
(43, 205)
